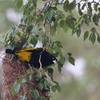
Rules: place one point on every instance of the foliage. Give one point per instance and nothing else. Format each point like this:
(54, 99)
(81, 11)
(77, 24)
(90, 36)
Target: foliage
(41, 83)
(43, 23)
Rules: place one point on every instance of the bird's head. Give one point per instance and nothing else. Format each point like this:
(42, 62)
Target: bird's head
(54, 60)
(48, 58)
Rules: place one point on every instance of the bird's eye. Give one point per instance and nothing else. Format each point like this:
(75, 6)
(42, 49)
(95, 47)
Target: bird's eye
(53, 58)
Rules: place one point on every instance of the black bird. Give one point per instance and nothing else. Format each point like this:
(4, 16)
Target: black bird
(32, 56)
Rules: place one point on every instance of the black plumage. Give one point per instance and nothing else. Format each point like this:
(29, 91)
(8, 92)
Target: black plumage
(32, 56)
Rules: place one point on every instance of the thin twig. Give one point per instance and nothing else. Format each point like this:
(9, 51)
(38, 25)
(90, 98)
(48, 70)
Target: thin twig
(40, 58)
(40, 61)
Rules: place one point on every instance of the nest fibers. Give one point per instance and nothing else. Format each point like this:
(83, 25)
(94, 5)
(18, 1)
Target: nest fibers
(11, 70)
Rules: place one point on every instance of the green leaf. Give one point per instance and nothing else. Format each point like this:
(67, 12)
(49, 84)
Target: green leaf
(29, 29)
(78, 32)
(23, 80)
(54, 8)
(56, 54)
(71, 60)
(72, 5)
(28, 84)
(86, 34)
(23, 97)
(99, 9)
(83, 5)
(18, 33)
(93, 30)
(45, 83)
(53, 88)
(58, 88)
(39, 75)
(17, 88)
(62, 59)
(60, 14)
(19, 3)
(30, 5)
(73, 18)
(65, 26)
(35, 94)
(42, 98)
(70, 22)
(96, 6)
(32, 40)
(59, 67)
(69, 54)
(53, 30)
(40, 86)
(74, 31)
(58, 44)
(89, 5)
(50, 15)
(13, 90)
(92, 37)
(30, 77)
(96, 19)
(66, 6)
(79, 9)
(50, 70)
(98, 39)
(62, 23)
(87, 21)
(35, 30)
(69, 6)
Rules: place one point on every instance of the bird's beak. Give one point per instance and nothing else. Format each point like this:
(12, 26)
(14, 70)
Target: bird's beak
(54, 61)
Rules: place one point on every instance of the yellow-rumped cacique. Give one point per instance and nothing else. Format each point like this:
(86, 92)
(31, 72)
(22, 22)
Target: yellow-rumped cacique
(32, 55)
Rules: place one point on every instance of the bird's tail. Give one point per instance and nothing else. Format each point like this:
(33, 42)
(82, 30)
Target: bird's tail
(10, 51)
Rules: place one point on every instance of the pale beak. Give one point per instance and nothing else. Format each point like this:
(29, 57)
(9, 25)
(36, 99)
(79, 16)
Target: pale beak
(54, 61)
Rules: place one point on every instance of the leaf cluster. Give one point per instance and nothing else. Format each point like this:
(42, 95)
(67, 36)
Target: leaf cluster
(89, 15)
(37, 84)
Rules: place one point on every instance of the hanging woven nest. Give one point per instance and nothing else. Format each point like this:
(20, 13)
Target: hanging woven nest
(11, 70)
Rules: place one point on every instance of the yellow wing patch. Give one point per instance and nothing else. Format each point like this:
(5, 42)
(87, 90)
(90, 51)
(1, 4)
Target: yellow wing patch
(23, 55)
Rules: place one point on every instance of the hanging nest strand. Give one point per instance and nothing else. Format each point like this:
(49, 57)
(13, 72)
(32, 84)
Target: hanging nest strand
(12, 69)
